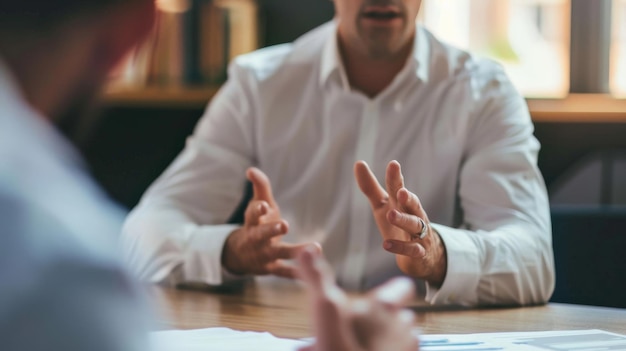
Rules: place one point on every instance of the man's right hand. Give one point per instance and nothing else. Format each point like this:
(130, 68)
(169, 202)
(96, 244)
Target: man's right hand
(256, 247)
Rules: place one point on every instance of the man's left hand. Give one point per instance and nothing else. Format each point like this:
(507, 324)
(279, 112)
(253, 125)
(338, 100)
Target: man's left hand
(400, 219)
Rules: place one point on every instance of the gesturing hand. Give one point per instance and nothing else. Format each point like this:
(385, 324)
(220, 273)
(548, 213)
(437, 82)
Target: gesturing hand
(374, 322)
(256, 247)
(400, 219)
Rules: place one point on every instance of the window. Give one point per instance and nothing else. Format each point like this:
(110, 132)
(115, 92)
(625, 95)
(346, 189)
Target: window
(530, 38)
(617, 77)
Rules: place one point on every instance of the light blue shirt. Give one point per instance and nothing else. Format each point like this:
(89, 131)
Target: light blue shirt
(62, 286)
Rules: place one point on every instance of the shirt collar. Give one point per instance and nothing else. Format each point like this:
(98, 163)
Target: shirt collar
(331, 62)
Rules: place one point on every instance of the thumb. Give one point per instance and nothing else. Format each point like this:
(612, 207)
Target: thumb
(314, 271)
(396, 292)
(262, 190)
(332, 329)
(369, 185)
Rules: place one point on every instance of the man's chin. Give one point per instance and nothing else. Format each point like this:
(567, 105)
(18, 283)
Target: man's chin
(383, 44)
(383, 51)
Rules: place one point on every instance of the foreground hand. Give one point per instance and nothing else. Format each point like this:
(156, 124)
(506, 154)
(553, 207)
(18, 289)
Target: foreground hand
(400, 218)
(374, 322)
(256, 247)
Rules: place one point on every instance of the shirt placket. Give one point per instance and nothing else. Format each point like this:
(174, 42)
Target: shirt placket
(360, 213)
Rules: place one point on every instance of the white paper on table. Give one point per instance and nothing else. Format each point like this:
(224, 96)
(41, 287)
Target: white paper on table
(224, 339)
(578, 340)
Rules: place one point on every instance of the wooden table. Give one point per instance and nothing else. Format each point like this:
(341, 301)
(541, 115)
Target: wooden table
(282, 310)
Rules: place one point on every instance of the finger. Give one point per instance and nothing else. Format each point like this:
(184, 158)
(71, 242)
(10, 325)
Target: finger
(369, 185)
(314, 271)
(264, 232)
(282, 269)
(255, 210)
(396, 292)
(331, 327)
(307, 348)
(291, 251)
(407, 222)
(394, 180)
(262, 190)
(405, 248)
(411, 203)
(407, 316)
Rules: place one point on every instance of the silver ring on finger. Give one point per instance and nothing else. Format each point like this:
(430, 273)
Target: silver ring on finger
(422, 234)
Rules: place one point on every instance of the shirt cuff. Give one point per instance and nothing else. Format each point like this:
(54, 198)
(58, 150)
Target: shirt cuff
(203, 257)
(460, 286)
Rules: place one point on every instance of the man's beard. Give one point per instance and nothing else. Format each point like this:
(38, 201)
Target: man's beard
(382, 43)
(79, 114)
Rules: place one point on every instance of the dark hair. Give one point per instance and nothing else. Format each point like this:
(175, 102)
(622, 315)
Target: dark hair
(38, 13)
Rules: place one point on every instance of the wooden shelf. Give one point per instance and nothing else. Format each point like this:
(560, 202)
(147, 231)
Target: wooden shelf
(575, 108)
(579, 108)
(160, 97)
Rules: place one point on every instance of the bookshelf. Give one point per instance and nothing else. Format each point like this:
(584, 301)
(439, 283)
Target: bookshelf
(160, 97)
(183, 64)
(579, 108)
(575, 108)
(188, 52)
(199, 37)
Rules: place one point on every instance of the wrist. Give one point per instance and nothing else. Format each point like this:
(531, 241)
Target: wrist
(229, 260)
(440, 264)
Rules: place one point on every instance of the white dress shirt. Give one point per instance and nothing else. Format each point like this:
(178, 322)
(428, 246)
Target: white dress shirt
(460, 130)
(61, 282)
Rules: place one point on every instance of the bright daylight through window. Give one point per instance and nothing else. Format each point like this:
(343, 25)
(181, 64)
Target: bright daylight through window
(530, 38)
(617, 77)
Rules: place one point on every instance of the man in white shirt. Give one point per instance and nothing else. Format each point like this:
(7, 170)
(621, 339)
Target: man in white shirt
(62, 286)
(370, 86)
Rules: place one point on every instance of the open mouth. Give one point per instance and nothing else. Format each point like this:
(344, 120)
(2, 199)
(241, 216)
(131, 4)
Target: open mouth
(381, 13)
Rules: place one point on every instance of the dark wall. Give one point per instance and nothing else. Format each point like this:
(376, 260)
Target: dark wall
(563, 144)
(127, 148)
(590, 265)
(285, 20)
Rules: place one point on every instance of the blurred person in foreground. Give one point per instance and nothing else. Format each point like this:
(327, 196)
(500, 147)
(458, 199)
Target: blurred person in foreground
(62, 286)
(295, 119)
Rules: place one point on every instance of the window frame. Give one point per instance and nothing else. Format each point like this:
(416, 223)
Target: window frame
(590, 46)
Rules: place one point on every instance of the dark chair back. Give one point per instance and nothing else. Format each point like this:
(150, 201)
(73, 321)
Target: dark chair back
(590, 255)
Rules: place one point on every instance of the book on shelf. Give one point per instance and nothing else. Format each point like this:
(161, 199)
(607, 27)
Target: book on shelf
(214, 43)
(192, 43)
